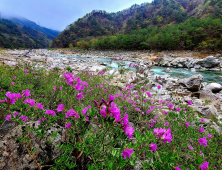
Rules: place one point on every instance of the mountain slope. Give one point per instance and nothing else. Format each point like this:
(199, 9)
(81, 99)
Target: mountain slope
(51, 34)
(18, 36)
(158, 14)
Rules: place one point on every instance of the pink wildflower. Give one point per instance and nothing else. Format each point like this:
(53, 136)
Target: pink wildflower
(159, 86)
(190, 147)
(177, 168)
(153, 147)
(60, 108)
(25, 70)
(36, 77)
(50, 112)
(189, 102)
(68, 125)
(203, 141)
(71, 113)
(26, 93)
(204, 166)
(8, 117)
(202, 120)
(14, 77)
(187, 124)
(12, 83)
(166, 123)
(165, 112)
(127, 153)
(54, 87)
(209, 136)
(39, 106)
(79, 96)
(201, 130)
(84, 111)
(24, 118)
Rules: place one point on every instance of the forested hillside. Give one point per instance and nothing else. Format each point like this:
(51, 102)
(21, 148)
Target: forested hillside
(162, 24)
(51, 34)
(22, 33)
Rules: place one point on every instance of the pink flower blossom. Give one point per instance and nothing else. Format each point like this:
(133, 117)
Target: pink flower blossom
(84, 111)
(167, 136)
(8, 117)
(16, 113)
(127, 153)
(149, 94)
(178, 168)
(2, 101)
(187, 124)
(68, 125)
(170, 106)
(189, 102)
(159, 86)
(31, 102)
(50, 112)
(60, 108)
(79, 96)
(36, 77)
(178, 109)
(165, 112)
(42, 120)
(153, 147)
(12, 83)
(54, 87)
(101, 72)
(114, 112)
(60, 88)
(202, 120)
(201, 130)
(39, 106)
(89, 106)
(204, 166)
(26, 93)
(71, 113)
(190, 147)
(24, 118)
(25, 70)
(87, 119)
(209, 136)
(129, 131)
(95, 117)
(137, 109)
(166, 123)
(14, 77)
(203, 141)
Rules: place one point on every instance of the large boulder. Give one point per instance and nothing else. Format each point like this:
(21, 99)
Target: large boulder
(14, 155)
(209, 62)
(192, 83)
(214, 87)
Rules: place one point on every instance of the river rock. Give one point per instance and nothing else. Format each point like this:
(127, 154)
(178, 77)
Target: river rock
(197, 102)
(193, 70)
(206, 94)
(13, 154)
(167, 70)
(207, 111)
(192, 83)
(209, 62)
(214, 87)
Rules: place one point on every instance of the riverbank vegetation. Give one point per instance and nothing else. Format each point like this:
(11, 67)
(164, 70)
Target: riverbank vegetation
(106, 127)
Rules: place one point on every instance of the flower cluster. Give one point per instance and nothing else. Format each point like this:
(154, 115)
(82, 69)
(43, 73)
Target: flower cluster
(164, 134)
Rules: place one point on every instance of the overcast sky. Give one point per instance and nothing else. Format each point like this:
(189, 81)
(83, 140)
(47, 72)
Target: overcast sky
(57, 14)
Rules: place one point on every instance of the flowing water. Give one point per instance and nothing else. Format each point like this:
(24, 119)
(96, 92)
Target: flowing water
(209, 76)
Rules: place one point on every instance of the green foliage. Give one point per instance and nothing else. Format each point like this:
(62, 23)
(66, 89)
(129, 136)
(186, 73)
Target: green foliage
(102, 139)
(16, 36)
